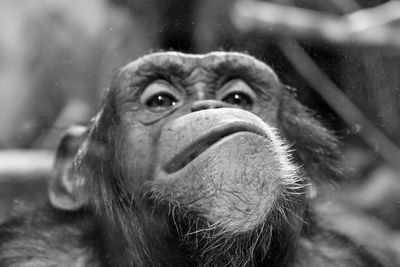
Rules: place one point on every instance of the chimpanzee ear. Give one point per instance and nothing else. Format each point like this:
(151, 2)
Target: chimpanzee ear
(316, 148)
(66, 188)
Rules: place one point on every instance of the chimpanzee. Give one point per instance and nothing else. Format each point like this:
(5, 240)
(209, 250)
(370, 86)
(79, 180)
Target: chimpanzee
(193, 160)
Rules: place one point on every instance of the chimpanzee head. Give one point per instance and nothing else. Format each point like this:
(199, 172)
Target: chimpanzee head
(207, 156)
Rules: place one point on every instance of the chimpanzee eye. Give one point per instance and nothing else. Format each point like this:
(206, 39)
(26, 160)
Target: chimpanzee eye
(159, 96)
(238, 93)
(162, 100)
(238, 99)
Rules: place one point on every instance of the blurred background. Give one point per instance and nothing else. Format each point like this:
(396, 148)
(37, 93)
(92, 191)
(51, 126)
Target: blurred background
(342, 56)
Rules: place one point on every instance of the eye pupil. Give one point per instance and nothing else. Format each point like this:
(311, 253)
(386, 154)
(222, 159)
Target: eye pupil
(160, 100)
(238, 99)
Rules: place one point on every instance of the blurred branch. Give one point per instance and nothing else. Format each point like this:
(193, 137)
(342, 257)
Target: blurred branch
(366, 27)
(365, 19)
(339, 102)
(22, 165)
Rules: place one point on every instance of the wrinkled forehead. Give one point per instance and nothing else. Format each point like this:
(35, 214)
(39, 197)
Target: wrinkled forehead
(215, 64)
(189, 62)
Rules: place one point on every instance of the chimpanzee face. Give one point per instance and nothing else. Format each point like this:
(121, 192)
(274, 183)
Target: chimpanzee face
(200, 131)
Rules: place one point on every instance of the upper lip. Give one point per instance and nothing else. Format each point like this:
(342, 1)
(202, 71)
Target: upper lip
(198, 146)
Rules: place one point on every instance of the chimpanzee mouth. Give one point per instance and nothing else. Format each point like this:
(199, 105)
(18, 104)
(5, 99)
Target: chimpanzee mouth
(196, 148)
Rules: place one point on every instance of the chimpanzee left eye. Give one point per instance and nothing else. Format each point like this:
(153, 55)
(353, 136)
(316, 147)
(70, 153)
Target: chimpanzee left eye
(238, 99)
(238, 93)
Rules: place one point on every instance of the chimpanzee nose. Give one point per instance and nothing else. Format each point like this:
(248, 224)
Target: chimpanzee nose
(206, 104)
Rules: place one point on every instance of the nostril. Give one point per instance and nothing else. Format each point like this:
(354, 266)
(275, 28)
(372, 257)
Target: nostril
(206, 104)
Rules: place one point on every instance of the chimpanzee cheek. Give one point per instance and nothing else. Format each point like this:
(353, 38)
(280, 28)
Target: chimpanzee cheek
(138, 155)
